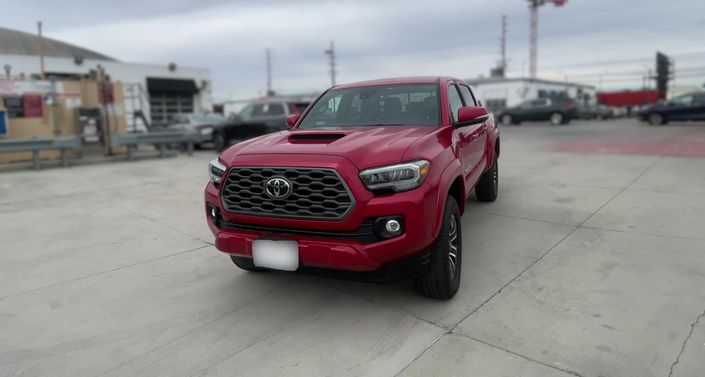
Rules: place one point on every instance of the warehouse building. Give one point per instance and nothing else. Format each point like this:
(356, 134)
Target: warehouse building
(152, 91)
(498, 93)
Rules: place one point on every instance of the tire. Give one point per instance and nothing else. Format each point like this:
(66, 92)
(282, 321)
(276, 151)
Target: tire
(507, 120)
(246, 264)
(219, 142)
(487, 188)
(442, 279)
(556, 119)
(656, 119)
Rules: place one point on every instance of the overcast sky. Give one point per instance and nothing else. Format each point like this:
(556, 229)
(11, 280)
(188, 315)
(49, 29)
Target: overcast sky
(377, 38)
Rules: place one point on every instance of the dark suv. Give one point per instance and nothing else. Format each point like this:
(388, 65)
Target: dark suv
(258, 118)
(685, 107)
(556, 111)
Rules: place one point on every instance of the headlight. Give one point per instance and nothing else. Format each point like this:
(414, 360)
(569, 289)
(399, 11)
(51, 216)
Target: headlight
(400, 177)
(216, 171)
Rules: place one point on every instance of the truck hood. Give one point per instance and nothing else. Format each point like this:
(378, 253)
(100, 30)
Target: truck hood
(363, 146)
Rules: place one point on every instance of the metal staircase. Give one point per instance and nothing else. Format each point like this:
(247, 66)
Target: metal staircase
(136, 107)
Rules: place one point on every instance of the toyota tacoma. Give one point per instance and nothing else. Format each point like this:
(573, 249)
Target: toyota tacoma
(370, 181)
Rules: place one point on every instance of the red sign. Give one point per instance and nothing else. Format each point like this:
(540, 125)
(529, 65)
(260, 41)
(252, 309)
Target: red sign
(628, 98)
(32, 106)
(105, 92)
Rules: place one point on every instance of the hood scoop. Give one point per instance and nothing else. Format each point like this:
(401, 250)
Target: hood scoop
(315, 137)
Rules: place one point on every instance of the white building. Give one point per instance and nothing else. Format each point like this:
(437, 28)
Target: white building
(156, 90)
(500, 92)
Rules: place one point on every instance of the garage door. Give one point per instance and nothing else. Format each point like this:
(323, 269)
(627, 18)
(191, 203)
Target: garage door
(170, 96)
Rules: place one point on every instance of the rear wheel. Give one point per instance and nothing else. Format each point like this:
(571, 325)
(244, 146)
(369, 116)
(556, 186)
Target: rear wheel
(556, 119)
(488, 186)
(442, 279)
(245, 263)
(507, 120)
(656, 119)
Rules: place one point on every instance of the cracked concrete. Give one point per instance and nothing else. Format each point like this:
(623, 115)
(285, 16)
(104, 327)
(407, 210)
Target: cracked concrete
(588, 265)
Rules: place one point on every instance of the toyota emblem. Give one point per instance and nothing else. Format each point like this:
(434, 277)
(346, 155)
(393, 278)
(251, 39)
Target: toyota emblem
(278, 187)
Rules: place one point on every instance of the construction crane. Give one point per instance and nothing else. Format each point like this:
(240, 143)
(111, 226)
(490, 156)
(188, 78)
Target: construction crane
(534, 34)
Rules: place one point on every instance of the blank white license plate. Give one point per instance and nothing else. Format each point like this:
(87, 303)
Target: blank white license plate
(276, 254)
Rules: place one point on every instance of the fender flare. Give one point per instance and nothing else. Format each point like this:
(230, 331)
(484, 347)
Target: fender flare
(449, 175)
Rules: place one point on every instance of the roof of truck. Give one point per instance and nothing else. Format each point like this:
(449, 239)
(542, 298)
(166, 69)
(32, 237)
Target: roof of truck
(393, 81)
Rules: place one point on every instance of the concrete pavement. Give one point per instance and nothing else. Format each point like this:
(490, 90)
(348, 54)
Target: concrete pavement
(591, 263)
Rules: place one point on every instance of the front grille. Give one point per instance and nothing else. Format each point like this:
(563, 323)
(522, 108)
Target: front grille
(316, 193)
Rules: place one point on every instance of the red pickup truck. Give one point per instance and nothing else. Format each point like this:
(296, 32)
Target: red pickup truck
(370, 181)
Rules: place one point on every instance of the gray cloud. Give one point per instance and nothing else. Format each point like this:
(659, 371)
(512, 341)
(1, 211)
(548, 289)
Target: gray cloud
(374, 38)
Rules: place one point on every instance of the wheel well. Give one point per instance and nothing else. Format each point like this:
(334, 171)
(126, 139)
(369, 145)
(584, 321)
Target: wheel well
(457, 191)
(496, 148)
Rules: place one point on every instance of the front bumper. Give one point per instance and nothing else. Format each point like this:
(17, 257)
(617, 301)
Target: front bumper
(335, 245)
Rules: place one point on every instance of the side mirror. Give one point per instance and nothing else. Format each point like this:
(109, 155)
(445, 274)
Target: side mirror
(470, 115)
(292, 119)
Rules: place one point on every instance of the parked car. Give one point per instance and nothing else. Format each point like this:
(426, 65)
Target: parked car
(372, 179)
(595, 112)
(556, 111)
(685, 107)
(203, 123)
(256, 119)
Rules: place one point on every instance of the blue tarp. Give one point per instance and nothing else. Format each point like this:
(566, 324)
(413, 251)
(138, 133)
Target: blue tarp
(3, 123)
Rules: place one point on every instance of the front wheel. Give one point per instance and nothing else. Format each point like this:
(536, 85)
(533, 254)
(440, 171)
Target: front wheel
(442, 279)
(219, 142)
(656, 119)
(557, 119)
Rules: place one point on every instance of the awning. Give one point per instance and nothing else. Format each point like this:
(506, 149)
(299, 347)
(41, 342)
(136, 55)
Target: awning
(156, 85)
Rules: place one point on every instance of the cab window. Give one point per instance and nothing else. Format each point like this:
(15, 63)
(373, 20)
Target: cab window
(455, 102)
(467, 96)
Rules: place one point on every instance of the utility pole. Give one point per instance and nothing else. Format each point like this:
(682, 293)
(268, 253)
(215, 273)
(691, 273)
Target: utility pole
(534, 38)
(268, 56)
(331, 55)
(41, 50)
(501, 69)
(534, 33)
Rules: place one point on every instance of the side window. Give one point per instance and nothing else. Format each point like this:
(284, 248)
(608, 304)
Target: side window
(683, 100)
(467, 96)
(454, 101)
(275, 109)
(259, 110)
(246, 112)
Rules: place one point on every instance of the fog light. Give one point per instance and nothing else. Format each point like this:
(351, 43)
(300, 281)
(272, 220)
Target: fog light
(214, 214)
(392, 226)
(389, 226)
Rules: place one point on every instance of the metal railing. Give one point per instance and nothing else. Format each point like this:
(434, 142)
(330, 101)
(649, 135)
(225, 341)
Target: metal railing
(62, 143)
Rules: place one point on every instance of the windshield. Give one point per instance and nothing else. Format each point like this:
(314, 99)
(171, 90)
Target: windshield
(405, 104)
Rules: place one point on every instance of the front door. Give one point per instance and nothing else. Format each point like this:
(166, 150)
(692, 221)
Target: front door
(466, 139)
